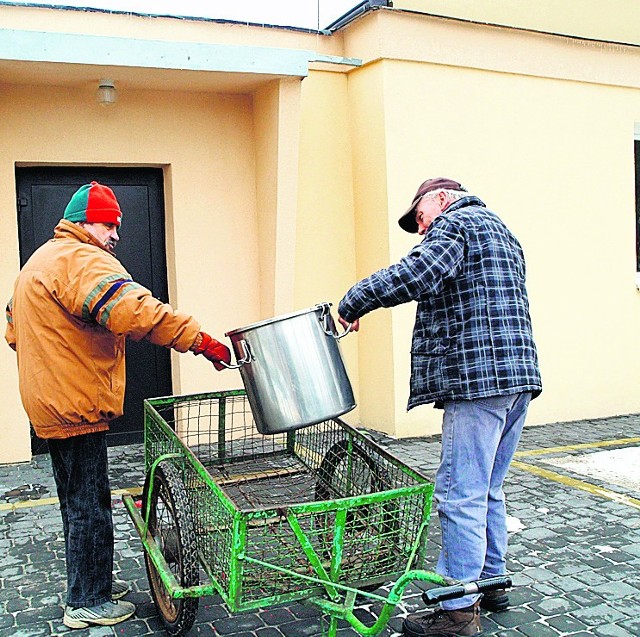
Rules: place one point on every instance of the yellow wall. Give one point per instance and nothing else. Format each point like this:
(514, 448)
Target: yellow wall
(276, 126)
(614, 20)
(206, 144)
(324, 246)
(282, 196)
(553, 156)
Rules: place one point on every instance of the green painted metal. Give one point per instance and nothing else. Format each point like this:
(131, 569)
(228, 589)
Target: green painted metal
(311, 554)
(166, 575)
(237, 562)
(336, 546)
(151, 474)
(259, 553)
(345, 611)
(222, 441)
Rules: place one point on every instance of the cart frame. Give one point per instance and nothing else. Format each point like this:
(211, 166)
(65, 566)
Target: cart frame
(247, 553)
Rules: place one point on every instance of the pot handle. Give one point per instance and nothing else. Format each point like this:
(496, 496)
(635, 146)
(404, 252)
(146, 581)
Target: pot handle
(246, 358)
(328, 326)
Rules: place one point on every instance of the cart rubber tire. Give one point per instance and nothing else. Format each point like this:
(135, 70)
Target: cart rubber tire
(172, 528)
(332, 459)
(375, 475)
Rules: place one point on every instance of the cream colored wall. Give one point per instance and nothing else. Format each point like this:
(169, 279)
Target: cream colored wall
(38, 18)
(276, 126)
(325, 231)
(553, 156)
(378, 384)
(555, 160)
(614, 20)
(205, 142)
(282, 199)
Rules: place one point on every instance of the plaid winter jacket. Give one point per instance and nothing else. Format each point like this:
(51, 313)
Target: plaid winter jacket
(472, 336)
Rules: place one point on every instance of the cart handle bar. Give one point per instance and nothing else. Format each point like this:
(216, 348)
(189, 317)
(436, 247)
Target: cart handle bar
(442, 593)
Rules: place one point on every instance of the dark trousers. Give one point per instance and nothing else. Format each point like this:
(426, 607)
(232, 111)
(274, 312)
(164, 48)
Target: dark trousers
(80, 469)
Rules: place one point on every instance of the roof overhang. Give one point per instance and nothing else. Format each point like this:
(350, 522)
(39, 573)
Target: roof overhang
(71, 58)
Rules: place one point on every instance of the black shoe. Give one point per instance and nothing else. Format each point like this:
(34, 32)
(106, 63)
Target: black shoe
(495, 601)
(463, 622)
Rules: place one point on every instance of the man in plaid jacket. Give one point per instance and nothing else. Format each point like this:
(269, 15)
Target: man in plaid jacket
(472, 354)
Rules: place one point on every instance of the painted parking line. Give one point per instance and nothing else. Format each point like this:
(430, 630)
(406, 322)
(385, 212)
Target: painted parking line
(574, 482)
(577, 484)
(620, 442)
(30, 504)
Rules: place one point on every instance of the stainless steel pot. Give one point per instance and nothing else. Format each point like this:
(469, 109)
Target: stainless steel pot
(292, 370)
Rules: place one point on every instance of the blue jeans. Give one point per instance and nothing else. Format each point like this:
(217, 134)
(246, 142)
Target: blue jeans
(479, 438)
(80, 469)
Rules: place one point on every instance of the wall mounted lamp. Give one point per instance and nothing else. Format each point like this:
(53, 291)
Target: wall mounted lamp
(107, 95)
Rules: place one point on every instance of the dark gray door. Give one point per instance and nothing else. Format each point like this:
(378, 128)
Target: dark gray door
(43, 193)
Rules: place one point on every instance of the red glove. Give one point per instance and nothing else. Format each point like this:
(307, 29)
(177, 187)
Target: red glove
(213, 350)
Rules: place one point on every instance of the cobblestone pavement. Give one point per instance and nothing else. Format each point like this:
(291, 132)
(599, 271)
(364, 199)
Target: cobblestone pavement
(574, 548)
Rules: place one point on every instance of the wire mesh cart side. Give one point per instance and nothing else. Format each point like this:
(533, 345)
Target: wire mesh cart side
(320, 514)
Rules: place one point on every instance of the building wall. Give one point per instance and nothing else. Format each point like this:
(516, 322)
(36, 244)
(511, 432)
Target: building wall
(550, 149)
(282, 194)
(325, 259)
(206, 145)
(615, 20)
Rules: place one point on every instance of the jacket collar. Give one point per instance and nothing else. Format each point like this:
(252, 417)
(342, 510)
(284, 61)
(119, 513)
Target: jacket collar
(470, 200)
(68, 230)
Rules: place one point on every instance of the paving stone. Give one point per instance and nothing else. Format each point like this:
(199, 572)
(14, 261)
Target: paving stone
(236, 623)
(538, 629)
(598, 615)
(554, 606)
(6, 620)
(615, 590)
(632, 625)
(585, 598)
(612, 630)
(515, 617)
(565, 624)
(575, 563)
(629, 606)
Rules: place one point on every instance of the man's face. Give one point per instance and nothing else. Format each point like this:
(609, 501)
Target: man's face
(106, 233)
(428, 208)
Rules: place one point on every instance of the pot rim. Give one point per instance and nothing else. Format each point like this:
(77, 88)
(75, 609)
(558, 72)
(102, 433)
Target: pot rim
(320, 306)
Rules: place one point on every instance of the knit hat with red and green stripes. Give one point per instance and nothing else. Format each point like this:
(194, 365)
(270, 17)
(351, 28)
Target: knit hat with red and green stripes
(93, 203)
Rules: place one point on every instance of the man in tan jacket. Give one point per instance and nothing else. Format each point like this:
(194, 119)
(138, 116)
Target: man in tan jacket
(72, 309)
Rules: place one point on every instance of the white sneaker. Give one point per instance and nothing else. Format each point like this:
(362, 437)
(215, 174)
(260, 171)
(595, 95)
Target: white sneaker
(119, 589)
(106, 614)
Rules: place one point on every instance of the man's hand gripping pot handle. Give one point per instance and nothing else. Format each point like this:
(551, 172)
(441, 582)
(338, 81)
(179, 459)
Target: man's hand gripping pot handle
(349, 327)
(214, 351)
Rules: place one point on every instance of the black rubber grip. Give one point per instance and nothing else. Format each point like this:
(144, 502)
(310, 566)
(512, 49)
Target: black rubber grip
(436, 595)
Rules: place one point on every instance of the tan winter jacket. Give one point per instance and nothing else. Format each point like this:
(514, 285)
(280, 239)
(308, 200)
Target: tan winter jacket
(72, 308)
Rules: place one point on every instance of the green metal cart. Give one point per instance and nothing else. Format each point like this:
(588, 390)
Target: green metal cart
(321, 514)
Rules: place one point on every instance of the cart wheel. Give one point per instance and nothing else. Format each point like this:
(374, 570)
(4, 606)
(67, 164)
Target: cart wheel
(343, 475)
(337, 480)
(172, 529)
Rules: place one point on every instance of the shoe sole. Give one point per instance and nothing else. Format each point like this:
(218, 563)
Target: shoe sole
(85, 623)
(410, 633)
(117, 596)
(495, 605)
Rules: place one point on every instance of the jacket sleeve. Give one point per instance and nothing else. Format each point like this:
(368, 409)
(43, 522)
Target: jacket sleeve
(10, 334)
(136, 313)
(105, 294)
(422, 273)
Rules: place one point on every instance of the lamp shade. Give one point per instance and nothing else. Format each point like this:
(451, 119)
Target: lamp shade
(107, 93)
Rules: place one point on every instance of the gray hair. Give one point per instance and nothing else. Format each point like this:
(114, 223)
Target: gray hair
(452, 195)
